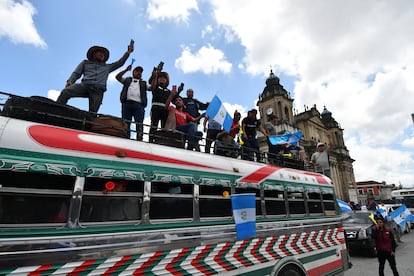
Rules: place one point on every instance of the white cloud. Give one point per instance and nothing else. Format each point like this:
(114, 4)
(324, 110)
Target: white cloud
(207, 30)
(353, 57)
(16, 23)
(409, 143)
(207, 60)
(178, 11)
(53, 94)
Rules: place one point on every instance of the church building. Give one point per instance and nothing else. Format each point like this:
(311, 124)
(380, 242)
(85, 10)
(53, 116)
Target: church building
(315, 127)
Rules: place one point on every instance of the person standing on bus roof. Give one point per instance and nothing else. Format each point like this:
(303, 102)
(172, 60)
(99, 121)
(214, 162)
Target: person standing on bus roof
(386, 245)
(159, 82)
(133, 98)
(95, 73)
(249, 126)
(193, 106)
(320, 158)
(212, 128)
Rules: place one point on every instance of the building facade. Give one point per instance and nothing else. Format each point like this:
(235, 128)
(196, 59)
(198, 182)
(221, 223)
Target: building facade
(379, 191)
(315, 127)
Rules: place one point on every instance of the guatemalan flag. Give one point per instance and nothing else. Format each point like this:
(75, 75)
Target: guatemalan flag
(344, 206)
(402, 215)
(383, 213)
(244, 213)
(218, 113)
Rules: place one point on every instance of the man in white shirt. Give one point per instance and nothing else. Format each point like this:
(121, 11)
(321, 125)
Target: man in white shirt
(133, 98)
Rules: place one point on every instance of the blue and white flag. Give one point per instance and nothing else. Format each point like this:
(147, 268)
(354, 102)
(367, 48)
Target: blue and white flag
(132, 61)
(244, 213)
(291, 138)
(402, 215)
(218, 113)
(344, 206)
(381, 210)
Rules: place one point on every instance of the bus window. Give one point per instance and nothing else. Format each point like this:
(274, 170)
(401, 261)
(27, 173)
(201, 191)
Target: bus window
(111, 200)
(171, 200)
(258, 197)
(28, 198)
(314, 202)
(214, 201)
(275, 202)
(296, 202)
(328, 201)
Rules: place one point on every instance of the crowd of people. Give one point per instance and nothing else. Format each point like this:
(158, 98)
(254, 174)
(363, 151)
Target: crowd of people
(184, 116)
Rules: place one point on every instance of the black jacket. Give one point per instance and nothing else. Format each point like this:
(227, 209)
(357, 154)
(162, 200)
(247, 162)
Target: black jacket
(142, 87)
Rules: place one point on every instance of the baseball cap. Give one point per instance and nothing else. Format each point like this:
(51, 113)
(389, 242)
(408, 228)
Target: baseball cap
(320, 144)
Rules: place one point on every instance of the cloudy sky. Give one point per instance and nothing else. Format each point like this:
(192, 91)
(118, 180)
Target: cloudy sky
(354, 57)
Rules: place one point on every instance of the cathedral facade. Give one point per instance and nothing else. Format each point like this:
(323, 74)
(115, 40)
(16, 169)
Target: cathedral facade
(315, 127)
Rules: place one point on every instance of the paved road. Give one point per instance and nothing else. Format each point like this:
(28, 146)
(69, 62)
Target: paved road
(368, 266)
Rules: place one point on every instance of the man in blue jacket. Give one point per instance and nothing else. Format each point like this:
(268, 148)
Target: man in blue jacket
(95, 73)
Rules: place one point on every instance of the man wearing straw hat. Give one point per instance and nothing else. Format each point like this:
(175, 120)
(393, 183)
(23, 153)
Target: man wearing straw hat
(95, 73)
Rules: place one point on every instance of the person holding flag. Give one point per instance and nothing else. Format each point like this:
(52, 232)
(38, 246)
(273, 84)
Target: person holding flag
(225, 143)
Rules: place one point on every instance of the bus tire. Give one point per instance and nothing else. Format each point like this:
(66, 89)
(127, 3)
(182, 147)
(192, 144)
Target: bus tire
(290, 270)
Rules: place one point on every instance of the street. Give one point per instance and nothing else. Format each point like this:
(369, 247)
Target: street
(368, 266)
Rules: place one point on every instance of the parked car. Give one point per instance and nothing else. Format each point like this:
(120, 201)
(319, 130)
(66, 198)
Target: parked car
(358, 230)
(391, 208)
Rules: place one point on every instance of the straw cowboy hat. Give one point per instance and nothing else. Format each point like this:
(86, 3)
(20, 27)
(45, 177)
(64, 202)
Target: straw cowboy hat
(93, 49)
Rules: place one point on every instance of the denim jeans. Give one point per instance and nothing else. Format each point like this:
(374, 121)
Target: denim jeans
(136, 110)
(189, 129)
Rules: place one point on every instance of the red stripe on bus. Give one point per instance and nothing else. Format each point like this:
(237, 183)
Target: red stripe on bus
(259, 175)
(319, 178)
(58, 138)
(282, 244)
(324, 269)
(171, 268)
(304, 242)
(294, 243)
(197, 264)
(148, 263)
(238, 255)
(269, 248)
(255, 251)
(40, 270)
(221, 255)
(83, 267)
(340, 235)
(117, 265)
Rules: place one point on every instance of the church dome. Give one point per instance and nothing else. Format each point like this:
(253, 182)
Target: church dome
(272, 79)
(326, 111)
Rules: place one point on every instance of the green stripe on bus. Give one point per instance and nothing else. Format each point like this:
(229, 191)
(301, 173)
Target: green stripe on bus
(318, 256)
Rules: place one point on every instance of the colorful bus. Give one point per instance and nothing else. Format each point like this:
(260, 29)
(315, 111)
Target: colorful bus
(75, 202)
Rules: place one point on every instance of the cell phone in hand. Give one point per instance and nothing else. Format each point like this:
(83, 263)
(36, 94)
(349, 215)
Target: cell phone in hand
(131, 43)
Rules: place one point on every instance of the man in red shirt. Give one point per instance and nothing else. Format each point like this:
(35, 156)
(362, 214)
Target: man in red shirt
(386, 245)
(183, 119)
